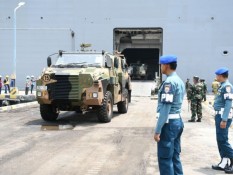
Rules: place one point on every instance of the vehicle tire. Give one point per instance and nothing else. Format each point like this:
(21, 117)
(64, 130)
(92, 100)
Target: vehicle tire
(123, 105)
(5, 103)
(48, 113)
(79, 111)
(129, 94)
(105, 111)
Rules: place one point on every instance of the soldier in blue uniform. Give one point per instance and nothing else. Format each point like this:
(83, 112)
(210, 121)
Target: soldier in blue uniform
(223, 119)
(169, 125)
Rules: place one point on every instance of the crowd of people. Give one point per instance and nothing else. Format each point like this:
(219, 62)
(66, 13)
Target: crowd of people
(9, 83)
(30, 83)
(196, 93)
(6, 83)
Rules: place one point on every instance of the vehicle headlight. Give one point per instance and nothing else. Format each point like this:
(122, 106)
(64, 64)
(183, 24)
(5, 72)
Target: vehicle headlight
(95, 94)
(41, 88)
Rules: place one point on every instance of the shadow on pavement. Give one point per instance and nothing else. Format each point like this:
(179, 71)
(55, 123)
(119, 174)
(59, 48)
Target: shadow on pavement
(209, 171)
(68, 120)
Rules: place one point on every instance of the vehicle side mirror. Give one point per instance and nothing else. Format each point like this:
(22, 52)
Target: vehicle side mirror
(108, 62)
(49, 61)
(129, 70)
(116, 63)
(125, 66)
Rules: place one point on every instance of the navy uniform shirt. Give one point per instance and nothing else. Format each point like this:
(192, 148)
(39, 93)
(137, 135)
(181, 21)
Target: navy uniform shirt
(170, 98)
(223, 100)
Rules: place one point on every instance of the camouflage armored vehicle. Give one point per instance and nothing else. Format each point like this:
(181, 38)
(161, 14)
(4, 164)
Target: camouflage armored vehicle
(84, 81)
(138, 71)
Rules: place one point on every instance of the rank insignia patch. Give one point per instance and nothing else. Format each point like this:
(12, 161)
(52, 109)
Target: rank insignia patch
(166, 94)
(167, 88)
(228, 89)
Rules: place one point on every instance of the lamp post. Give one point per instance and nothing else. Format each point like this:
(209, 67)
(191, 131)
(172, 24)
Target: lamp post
(14, 59)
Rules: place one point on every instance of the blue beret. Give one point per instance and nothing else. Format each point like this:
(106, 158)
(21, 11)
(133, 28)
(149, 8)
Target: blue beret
(221, 70)
(166, 59)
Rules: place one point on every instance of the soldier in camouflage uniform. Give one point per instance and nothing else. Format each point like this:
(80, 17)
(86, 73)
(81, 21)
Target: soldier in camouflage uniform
(215, 86)
(187, 85)
(204, 89)
(195, 94)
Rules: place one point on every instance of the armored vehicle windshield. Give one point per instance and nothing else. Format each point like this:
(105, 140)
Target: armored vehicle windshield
(80, 59)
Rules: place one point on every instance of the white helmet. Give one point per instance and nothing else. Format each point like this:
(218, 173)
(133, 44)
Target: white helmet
(0, 76)
(28, 77)
(32, 76)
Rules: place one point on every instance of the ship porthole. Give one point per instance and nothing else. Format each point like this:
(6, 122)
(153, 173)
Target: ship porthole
(225, 52)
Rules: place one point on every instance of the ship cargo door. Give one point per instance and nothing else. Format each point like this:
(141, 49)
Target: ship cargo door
(140, 46)
(143, 56)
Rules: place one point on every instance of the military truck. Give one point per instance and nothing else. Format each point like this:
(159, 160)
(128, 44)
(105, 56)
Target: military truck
(138, 71)
(84, 81)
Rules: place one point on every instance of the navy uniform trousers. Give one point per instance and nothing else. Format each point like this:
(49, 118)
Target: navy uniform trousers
(224, 148)
(169, 148)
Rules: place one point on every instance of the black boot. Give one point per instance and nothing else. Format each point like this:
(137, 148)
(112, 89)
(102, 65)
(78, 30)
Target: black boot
(229, 169)
(191, 120)
(198, 120)
(222, 166)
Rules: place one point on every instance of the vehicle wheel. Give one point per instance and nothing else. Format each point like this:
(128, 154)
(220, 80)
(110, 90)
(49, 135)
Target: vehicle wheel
(78, 110)
(48, 113)
(123, 105)
(105, 111)
(5, 103)
(129, 94)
